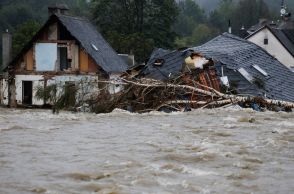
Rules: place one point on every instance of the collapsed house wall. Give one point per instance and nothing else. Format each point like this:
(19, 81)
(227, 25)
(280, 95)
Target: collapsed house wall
(236, 82)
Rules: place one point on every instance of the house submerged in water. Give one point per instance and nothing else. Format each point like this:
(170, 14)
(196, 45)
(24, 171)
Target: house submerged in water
(66, 50)
(227, 63)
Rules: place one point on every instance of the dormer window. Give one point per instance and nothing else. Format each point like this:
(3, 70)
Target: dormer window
(265, 41)
(94, 47)
(158, 62)
(245, 74)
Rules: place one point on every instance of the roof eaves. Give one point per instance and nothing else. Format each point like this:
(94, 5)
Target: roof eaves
(255, 32)
(282, 42)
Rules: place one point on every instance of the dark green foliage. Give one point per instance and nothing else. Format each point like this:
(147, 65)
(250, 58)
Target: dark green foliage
(14, 13)
(242, 13)
(60, 97)
(67, 98)
(220, 17)
(48, 93)
(136, 25)
(248, 13)
(274, 5)
(192, 26)
(190, 16)
(23, 34)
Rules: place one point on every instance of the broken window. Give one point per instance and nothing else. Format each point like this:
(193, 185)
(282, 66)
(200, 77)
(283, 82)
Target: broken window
(260, 70)
(63, 57)
(46, 56)
(245, 74)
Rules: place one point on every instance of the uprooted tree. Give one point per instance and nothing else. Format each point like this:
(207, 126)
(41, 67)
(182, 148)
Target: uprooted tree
(144, 95)
(148, 94)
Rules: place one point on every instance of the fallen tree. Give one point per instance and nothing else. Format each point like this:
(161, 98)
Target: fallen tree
(144, 95)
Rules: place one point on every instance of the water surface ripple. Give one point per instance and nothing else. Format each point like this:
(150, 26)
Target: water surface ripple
(204, 151)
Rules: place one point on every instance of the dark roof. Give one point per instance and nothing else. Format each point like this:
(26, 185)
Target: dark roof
(283, 34)
(287, 24)
(286, 37)
(236, 53)
(58, 6)
(170, 68)
(89, 38)
(261, 24)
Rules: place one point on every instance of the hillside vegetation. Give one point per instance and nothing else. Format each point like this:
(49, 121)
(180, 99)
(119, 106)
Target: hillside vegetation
(139, 26)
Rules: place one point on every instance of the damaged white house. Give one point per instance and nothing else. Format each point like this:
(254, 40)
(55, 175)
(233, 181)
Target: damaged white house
(66, 50)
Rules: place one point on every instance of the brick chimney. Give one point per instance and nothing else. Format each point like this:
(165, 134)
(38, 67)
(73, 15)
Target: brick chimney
(58, 9)
(6, 49)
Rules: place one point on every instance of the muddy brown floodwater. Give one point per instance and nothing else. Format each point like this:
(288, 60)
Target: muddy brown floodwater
(204, 151)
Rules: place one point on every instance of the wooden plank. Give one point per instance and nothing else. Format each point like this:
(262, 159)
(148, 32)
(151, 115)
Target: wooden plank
(29, 59)
(84, 63)
(92, 65)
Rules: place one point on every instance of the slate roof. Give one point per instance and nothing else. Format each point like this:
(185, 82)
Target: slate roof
(261, 24)
(236, 53)
(89, 38)
(285, 36)
(171, 67)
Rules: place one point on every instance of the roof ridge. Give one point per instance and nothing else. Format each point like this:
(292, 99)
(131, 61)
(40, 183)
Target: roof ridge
(72, 17)
(228, 35)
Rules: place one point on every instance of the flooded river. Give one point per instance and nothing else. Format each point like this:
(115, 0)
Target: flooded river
(204, 151)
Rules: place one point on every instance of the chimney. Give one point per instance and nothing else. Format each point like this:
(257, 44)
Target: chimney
(58, 9)
(243, 32)
(6, 49)
(230, 27)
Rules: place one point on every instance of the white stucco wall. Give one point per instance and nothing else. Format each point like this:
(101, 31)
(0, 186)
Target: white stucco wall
(87, 85)
(37, 81)
(274, 47)
(3, 92)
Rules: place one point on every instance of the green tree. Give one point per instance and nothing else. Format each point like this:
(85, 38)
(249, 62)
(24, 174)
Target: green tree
(201, 34)
(244, 13)
(189, 17)
(219, 18)
(23, 34)
(13, 13)
(248, 13)
(81, 8)
(192, 26)
(136, 25)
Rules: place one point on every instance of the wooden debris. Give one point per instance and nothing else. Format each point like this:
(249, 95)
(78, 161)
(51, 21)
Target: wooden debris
(145, 95)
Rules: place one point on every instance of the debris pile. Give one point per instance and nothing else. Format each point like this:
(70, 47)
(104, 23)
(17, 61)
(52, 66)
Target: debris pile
(144, 95)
